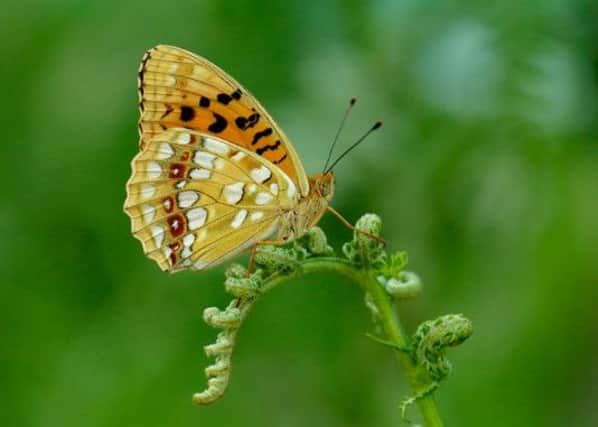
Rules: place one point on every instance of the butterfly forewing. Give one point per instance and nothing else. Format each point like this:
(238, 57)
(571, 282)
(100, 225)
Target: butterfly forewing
(180, 89)
(195, 200)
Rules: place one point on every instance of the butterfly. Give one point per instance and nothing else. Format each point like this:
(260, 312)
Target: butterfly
(215, 175)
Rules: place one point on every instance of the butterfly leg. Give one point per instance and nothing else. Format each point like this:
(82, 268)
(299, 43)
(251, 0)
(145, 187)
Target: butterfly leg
(350, 226)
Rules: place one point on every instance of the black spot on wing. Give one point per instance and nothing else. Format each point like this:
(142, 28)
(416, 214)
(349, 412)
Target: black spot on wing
(241, 122)
(258, 135)
(244, 123)
(277, 162)
(219, 124)
(265, 148)
(236, 94)
(223, 98)
(187, 113)
(204, 102)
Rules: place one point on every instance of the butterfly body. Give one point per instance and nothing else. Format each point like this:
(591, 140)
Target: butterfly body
(296, 221)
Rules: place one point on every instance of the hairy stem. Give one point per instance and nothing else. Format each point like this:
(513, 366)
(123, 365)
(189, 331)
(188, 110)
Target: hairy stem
(394, 333)
(388, 317)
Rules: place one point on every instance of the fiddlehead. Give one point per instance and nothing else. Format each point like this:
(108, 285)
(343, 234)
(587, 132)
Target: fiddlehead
(428, 347)
(271, 261)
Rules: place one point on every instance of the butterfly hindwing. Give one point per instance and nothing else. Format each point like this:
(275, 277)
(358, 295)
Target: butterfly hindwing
(196, 200)
(180, 89)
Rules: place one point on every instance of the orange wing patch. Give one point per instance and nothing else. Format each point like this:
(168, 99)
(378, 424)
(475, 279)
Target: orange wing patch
(180, 89)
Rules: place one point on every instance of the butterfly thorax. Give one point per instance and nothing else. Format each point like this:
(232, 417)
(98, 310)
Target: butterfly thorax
(307, 212)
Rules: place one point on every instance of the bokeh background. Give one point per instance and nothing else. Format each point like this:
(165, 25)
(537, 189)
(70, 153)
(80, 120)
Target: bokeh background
(486, 172)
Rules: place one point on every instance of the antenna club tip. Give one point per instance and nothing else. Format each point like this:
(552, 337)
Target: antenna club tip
(352, 101)
(377, 125)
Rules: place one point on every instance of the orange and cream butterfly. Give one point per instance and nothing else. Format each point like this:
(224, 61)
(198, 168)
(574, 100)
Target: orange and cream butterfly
(215, 175)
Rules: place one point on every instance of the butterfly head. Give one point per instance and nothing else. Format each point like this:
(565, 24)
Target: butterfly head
(322, 185)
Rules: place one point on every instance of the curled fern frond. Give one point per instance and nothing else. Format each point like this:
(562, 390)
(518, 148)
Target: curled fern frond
(270, 261)
(383, 277)
(363, 251)
(315, 243)
(433, 337)
(222, 346)
(395, 264)
(244, 289)
(239, 285)
(274, 259)
(218, 373)
(405, 285)
(397, 282)
(230, 318)
(430, 341)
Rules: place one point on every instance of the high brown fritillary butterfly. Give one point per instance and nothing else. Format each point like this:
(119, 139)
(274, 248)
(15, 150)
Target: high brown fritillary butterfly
(215, 175)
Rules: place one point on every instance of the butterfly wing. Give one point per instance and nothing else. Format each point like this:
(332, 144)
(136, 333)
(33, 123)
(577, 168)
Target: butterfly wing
(195, 200)
(180, 89)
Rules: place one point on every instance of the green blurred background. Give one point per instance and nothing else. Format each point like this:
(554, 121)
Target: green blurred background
(486, 172)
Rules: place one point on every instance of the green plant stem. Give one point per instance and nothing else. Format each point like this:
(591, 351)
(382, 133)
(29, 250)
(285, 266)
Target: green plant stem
(388, 318)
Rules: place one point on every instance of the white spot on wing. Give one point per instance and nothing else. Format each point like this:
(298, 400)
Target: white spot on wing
(147, 191)
(256, 215)
(262, 198)
(204, 159)
(233, 192)
(154, 170)
(238, 156)
(187, 242)
(181, 184)
(189, 239)
(215, 146)
(157, 234)
(274, 188)
(164, 152)
(186, 252)
(184, 138)
(260, 174)
(148, 213)
(187, 199)
(292, 189)
(251, 188)
(239, 218)
(200, 173)
(175, 225)
(196, 218)
(167, 204)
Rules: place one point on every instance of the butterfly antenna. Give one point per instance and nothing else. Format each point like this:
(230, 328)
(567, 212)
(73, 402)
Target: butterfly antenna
(340, 128)
(377, 125)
